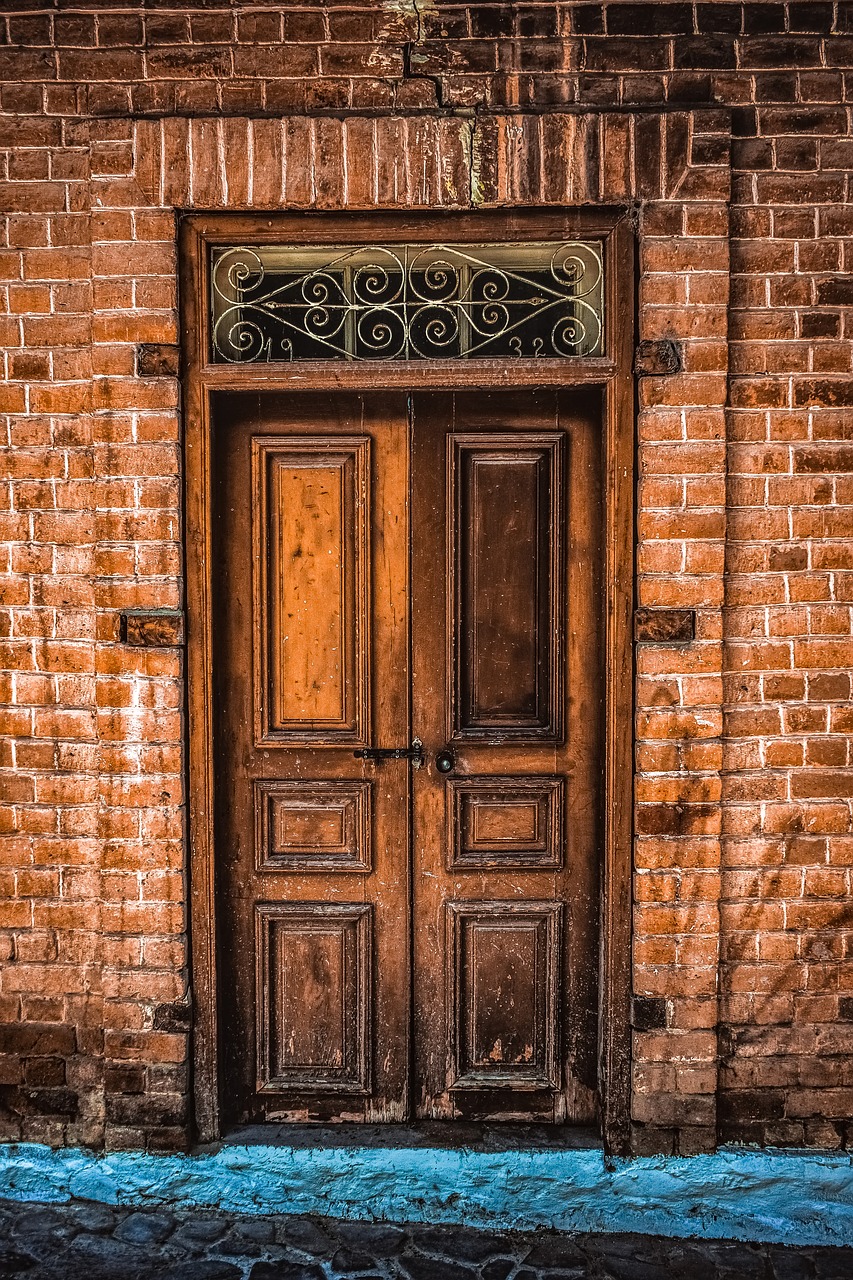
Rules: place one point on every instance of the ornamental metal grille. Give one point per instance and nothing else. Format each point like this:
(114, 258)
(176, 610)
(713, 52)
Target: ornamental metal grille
(407, 302)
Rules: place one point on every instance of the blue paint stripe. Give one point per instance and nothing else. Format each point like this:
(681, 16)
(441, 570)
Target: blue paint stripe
(774, 1196)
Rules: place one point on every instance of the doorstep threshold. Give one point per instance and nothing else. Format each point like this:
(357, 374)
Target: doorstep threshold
(436, 1135)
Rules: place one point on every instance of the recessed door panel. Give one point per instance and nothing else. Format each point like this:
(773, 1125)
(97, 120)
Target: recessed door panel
(501, 823)
(505, 546)
(312, 514)
(314, 980)
(504, 995)
(313, 826)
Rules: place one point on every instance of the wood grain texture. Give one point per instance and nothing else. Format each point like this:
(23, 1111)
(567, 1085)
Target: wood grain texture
(505, 546)
(314, 982)
(197, 532)
(504, 991)
(618, 587)
(313, 826)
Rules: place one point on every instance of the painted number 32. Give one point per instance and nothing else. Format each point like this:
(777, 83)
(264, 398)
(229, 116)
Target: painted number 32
(515, 344)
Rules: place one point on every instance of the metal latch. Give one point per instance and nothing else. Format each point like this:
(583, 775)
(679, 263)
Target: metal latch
(415, 753)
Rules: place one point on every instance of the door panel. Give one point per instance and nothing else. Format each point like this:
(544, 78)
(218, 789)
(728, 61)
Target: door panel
(314, 982)
(505, 543)
(504, 995)
(319, 826)
(506, 644)
(311, 646)
(311, 523)
(505, 823)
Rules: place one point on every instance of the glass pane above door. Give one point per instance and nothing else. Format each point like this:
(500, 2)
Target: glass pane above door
(407, 302)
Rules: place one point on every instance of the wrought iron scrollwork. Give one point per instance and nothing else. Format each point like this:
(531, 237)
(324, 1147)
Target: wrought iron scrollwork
(407, 302)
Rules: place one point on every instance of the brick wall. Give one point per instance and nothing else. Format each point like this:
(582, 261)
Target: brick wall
(113, 117)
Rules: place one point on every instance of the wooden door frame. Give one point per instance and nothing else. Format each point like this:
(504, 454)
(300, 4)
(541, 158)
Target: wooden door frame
(613, 372)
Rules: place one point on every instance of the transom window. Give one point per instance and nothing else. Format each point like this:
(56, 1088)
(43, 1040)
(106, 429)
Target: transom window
(407, 302)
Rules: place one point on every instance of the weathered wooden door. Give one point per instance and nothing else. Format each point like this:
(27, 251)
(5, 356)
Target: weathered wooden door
(412, 935)
(312, 659)
(506, 636)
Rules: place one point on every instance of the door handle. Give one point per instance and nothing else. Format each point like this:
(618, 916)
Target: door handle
(445, 761)
(415, 753)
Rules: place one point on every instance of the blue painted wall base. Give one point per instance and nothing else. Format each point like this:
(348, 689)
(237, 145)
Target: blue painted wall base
(773, 1196)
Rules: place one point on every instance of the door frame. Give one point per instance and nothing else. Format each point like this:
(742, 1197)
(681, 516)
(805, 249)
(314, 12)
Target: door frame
(612, 372)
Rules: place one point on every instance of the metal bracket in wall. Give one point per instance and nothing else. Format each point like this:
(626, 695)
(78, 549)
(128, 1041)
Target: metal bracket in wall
(152, 628)
(157, 360)
(664, 626)
(656, 359)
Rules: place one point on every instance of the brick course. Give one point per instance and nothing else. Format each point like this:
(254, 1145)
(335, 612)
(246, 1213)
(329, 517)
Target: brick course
(724, 128)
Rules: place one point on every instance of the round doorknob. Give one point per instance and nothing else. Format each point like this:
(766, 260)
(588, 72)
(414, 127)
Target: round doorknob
(444, 761)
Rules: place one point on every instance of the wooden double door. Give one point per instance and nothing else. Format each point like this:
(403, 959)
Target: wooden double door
(408, 644)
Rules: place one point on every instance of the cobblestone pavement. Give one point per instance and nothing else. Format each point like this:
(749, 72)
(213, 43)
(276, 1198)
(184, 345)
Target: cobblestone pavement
(87, 1241)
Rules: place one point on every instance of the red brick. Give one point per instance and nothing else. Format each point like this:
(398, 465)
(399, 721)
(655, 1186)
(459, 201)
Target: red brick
(88, 786)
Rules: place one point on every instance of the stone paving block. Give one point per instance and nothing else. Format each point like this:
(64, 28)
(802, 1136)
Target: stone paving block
(305, 1234)
(236, 1245)
(286, 1271)
(419, 1267)
(788, 1265)
(498, 1269)
(205, 1269)
(13, 1263)
(145, 1228)
(740, 1259)
(553, 1251)
(833, 1264)
(632, 1269)
(85, 1241)
(347, 1261)
(90, 1216)
(378, 1238)
(259, 1230)
(39, 1220)
(202, 1231)
(96, 1256)
(472, 1246)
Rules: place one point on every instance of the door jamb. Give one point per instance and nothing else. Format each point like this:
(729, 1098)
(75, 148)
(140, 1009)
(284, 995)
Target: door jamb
(614, 374)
